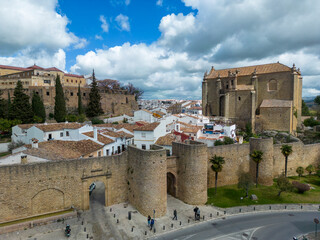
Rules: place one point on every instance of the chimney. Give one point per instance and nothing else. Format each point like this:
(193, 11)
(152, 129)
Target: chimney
(95, 133)
(24, 159)
(34, 143)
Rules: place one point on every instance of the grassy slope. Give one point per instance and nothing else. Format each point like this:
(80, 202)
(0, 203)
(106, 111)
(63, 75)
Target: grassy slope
(229, 196)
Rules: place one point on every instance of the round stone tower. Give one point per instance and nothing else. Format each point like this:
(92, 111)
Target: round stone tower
(192, 171)
(147, 177)
(266, 166)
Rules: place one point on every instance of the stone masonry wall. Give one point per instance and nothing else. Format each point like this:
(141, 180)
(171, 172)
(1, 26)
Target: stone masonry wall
(147, 177)
(35, 188)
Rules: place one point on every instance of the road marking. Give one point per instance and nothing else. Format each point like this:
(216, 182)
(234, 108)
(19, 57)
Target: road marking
(254, 232)
(230, 236)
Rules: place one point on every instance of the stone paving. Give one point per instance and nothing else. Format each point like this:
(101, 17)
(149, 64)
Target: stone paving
(112, 222)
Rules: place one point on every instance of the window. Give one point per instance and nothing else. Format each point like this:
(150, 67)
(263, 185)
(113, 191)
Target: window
(48, 93)
(71, 80)
(50, 136)
(143, 135)
(107, 153)
(84, 94)
(67, 133)
(231, 82)
(227, 87)
(143, 146)
(99, 154)
(272, 85)
(67, 80)
(47, 81)
(71, 93)
(61, 134)
(76, 81)
(239, 98)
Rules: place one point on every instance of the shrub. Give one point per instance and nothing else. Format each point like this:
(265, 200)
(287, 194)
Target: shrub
(301, 187)
(125, 120)
(310, 122)
(96, 121)
(218, 143)
(81, 118)
(318, 173)
(310, 169)
(71, 118)
(51, 115)
(300, 171)
(115, 123)
(283, 184)
(37, 119)
(228, 141)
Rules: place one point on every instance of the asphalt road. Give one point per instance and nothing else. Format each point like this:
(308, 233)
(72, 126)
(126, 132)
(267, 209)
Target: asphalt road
(257, 226)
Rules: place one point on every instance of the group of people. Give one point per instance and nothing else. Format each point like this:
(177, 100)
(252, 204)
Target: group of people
(196, 213)
(150, 222)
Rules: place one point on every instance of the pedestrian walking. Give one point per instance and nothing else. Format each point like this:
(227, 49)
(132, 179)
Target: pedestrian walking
(195, 212)
(151, 224)
(149, 221)
(198, 214)
(175, 217)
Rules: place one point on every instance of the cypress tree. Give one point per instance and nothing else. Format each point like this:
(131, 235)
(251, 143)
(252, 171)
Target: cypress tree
(20, 108)
(59, 102)
(94, 107)
(80, 108)
(2, 106)
(8, 105)
(38, 107)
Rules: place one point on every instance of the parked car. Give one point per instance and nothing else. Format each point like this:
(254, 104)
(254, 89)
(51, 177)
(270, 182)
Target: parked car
(91, 188)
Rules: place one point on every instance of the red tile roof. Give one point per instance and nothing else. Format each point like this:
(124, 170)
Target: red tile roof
(53, 69)
(13, 68)
(101, 138)
(73, 75)
(148, 127)
(245, 71)
(35, 67)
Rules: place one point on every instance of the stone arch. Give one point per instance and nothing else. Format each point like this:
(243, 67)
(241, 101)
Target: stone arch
(47, 200)
(171, 184)
(272, 85)
(85, 190)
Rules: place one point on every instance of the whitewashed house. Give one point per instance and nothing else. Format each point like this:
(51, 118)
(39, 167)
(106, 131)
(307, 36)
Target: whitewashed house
(144, 115)
(146, 135)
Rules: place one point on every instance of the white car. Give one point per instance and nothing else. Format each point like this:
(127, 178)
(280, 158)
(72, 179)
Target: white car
(91, 188)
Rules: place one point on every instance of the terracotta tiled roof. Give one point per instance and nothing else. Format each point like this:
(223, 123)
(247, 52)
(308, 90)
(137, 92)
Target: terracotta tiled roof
(73, 75)
(53, 69)
(160, 113)
(148, 127)
(35, 67)
(185, 124)
(141, 123)
(101, 138)
(166, 140)
(126, 135)
(274, 103)
(127, 126)
(57, 150)
(52, 126)
(245, 71)
(147, 111)
(111, 133)
(13, 68)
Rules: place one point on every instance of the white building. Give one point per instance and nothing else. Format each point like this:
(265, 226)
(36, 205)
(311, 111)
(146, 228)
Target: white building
(144, 115)
(146, 135)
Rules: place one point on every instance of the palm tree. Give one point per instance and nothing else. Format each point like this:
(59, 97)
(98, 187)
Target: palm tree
(286, 150)
(217, 162)
(256, 156)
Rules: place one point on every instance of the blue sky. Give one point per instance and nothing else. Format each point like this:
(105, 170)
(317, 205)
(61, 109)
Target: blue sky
(144, 18)
(162, 46)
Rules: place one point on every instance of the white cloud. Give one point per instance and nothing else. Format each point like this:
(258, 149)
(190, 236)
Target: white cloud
(104, 25)
(42, 58)
(219, 33)
(81, 43)
(116, 3)
(33, 23)
(123, 22)
(127, 2)
(159, 2)
(98, 37)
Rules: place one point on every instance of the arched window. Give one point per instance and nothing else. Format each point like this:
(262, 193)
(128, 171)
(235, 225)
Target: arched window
(272, 85)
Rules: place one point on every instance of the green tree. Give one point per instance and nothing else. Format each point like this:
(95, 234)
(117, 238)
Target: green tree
(256, 156)
(6, 124)
(218, 143)
(38, 107)
(3, 108)
(317, 100)
(94, 107)
(21, 108)
(310, 122)
(286, 150)
(304, 109)
(245, 182)
(310, 169)
(248, 131)
(8, 106)
(80, 107)
(60, 111)
(300, 171)
(228, 140)
(217, 165)
(283, 184)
